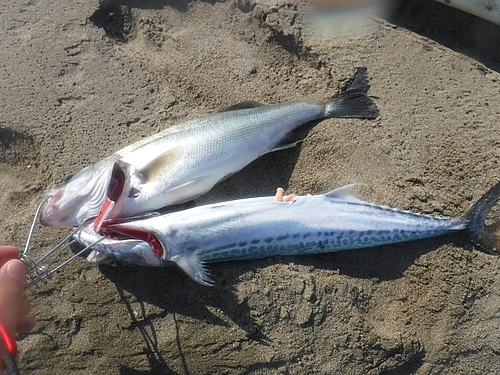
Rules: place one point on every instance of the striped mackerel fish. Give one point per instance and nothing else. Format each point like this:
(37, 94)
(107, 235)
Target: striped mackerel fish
(262, 227)
(186, 160)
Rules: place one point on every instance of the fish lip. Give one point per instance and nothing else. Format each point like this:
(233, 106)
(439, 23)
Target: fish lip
(81, 197)
(48, 212)
(98, 256)
(102, 257)
(111, 252)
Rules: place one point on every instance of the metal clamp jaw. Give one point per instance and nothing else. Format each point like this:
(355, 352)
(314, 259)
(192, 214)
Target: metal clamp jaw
(43, 268)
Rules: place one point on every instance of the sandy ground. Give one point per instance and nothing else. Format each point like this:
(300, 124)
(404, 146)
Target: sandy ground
(80, 80)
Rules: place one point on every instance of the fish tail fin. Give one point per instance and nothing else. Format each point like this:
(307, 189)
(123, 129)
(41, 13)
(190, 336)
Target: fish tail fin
(485, 236)
(353, 101)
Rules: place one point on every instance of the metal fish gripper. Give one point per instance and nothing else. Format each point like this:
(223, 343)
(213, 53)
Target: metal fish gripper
(43, 268)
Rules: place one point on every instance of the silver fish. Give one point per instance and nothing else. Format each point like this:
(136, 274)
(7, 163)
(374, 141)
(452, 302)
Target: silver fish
(263, 227)
(187, 160)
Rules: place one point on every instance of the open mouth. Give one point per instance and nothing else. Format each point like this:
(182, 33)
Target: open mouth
(113, 230)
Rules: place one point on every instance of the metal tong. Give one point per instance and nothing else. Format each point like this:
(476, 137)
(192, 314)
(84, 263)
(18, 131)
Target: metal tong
(40, 270)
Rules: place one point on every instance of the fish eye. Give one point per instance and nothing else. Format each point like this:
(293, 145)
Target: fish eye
(134, 193)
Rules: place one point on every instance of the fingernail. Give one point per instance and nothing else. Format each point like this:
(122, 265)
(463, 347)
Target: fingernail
(16, 270)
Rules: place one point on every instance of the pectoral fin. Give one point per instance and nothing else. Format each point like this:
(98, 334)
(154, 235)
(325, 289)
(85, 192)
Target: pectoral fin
(290, 139)
(195, 269)
(189, 190)
(285, 146)
(168, 160)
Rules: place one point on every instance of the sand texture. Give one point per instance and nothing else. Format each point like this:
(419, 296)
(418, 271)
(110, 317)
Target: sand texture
(82, 79)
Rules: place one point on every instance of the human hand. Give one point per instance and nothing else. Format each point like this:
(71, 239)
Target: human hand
(13, 307)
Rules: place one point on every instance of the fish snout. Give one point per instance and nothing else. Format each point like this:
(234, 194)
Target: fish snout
(49, 213)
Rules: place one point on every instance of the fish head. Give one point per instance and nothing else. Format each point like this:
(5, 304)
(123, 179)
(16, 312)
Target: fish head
(117, 251)
(139, 229)
(82, 196)
(159, 234)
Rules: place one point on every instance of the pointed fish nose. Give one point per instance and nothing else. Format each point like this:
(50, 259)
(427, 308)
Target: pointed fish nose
(50, 209)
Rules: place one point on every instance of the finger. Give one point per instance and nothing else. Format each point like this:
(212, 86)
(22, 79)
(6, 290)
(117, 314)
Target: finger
(12, 276)
(7, 253)
(25, 307)
(25, 324)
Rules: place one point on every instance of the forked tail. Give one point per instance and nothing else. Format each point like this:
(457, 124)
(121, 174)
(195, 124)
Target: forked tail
(485, 236)
(353, 101)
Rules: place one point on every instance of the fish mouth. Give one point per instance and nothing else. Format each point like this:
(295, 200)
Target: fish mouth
(117, 250)
(82, 197)
(54, 213)
(130, 260)
(102, 257)
(143, 235)
(97, 256)
(49, 210)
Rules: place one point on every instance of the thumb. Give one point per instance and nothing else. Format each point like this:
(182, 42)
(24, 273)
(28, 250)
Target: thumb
(12, 276)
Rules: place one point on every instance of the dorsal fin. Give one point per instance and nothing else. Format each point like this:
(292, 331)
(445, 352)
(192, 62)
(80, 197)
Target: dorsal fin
(343, 192)
(194, 268)
(166, 160)
(243, 105)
